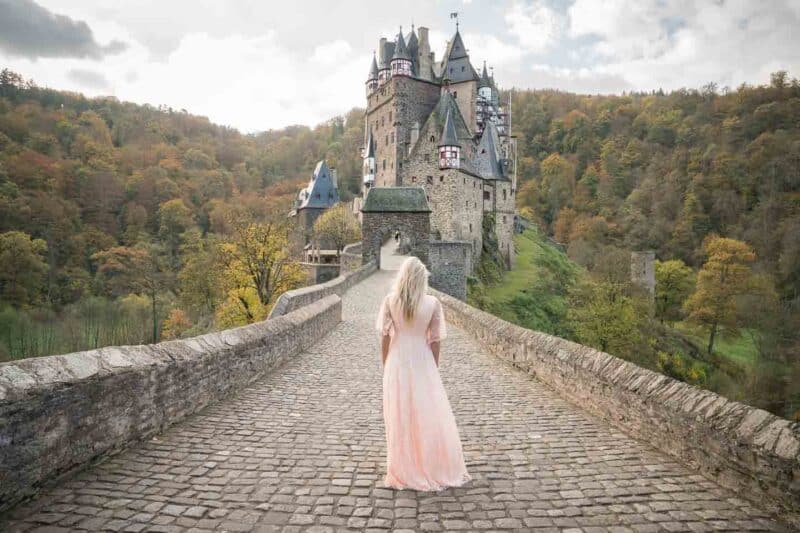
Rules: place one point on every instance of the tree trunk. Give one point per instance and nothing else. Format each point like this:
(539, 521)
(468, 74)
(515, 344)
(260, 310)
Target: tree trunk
(711, 337)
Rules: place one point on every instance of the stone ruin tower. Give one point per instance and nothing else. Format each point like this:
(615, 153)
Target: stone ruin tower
(441, 126)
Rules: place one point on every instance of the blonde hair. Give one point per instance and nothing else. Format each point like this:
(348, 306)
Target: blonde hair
(410, 286)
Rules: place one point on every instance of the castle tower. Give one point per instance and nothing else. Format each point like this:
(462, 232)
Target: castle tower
(462, 78)
(372, 78)
(449, 147)
(401, 60)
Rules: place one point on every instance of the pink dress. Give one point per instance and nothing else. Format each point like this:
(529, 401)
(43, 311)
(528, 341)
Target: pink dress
(422, 442)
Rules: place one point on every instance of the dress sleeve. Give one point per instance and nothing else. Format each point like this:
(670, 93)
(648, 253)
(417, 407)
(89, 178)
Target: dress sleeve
(384, 323)
(437, 330)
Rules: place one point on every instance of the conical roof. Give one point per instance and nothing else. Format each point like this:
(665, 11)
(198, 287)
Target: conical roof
(400, 50)
(449, 137)
(457, 49)
(485, 81)
(373, 69)
(370, 145)
(413, 43)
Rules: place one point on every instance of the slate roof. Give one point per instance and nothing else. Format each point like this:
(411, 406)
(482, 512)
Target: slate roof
(396, 200)
(400, 50)
(373, 69)
(456, 66)
(370, 145)
(488, 160)
(448, 136)
(321, 192)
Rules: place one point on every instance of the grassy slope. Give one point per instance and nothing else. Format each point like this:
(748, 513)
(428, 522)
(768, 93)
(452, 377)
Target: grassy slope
(533, 293)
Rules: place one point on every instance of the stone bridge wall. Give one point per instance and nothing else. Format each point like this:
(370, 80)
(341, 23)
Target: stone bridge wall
(297, 298)
(743, 448)
(60, 412)
(350, 258)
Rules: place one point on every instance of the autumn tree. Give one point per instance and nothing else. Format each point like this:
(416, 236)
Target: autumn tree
(141, 270)
(338, 227)
(257, 257)
(674, 284)
(23, 268)
(726, 275)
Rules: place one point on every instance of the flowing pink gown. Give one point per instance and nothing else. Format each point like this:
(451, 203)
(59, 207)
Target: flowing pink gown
(422, 441)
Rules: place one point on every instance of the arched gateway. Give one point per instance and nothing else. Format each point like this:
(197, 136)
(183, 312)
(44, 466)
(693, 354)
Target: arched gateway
(390, 209)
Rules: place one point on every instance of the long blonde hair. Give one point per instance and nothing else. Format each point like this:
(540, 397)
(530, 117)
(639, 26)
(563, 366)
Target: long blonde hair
(410, 286)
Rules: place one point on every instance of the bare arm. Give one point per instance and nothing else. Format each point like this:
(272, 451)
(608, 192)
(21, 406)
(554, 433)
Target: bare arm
(385, 340)
(435, 349)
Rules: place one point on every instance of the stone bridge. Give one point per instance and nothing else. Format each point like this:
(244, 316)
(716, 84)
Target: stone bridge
(301, 448)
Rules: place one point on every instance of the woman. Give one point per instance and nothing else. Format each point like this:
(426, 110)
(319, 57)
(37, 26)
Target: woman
(422, 442)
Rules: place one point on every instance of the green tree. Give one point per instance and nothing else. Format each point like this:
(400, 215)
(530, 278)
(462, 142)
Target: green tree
(141, 270)
(725, 276)
(23, 268)
(674, 284)
(338, 227)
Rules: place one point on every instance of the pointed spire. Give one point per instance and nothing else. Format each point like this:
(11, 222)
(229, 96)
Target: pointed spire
(457, 49)
(370, 145)
(373, 69)
(400, 50)
(485, 81)
(449, 137)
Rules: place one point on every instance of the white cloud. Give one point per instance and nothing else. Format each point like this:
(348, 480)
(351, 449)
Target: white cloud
(536, 26)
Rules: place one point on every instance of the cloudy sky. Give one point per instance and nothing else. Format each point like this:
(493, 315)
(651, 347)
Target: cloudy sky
(256, 64)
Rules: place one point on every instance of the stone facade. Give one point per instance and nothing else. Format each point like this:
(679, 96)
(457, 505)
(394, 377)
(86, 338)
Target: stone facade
(743, 448)
(320, 272)
(450, 264)
(60, 412)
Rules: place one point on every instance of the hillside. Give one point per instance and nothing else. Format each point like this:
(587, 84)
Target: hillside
(82, 177)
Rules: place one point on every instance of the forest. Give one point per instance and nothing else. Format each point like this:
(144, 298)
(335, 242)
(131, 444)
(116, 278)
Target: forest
(709, 180)
(124, 223)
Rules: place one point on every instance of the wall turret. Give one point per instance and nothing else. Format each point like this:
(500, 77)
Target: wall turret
(449, 147)
(401, 60)
(372, 78)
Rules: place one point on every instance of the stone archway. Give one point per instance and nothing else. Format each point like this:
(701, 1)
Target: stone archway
(388, 209)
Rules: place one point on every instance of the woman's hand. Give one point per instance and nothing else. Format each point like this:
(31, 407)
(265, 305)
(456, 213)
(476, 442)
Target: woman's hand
(435, 349)
(385, 341)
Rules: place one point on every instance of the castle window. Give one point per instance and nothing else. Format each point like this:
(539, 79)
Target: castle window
(467, 204)
(462, 69)
(433, 138)
(483, 150)
(390, 117)
(504, 195)
(504, 219)
(429, 180)
(427, 158)
(474, 204)
(384, 164)
(413, 179)
(474, 185)
(470, 227)
(441, 179)
(455, 94)
(387, 140)
(487, 195)
(392, 137)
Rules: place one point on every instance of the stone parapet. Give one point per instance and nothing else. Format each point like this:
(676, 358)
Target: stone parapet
(745, 449)
(295, 299)
(59, 413)
(350, 258)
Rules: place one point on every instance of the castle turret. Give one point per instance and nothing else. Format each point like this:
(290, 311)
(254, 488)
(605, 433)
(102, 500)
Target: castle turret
(401, 61)
(413, 50)
(369, 162)
(372, 78)
(485, 84)
(449, 147)
(383, 63)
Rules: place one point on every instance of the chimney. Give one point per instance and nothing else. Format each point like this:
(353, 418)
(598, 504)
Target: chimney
(425, 57)
(334, 178)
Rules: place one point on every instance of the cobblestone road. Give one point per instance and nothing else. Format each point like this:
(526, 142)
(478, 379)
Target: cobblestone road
(303, 450)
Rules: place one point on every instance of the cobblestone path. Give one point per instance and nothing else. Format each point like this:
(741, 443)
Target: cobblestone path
(303, 450)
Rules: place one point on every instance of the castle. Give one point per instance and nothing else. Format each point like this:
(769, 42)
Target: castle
(441, 126)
